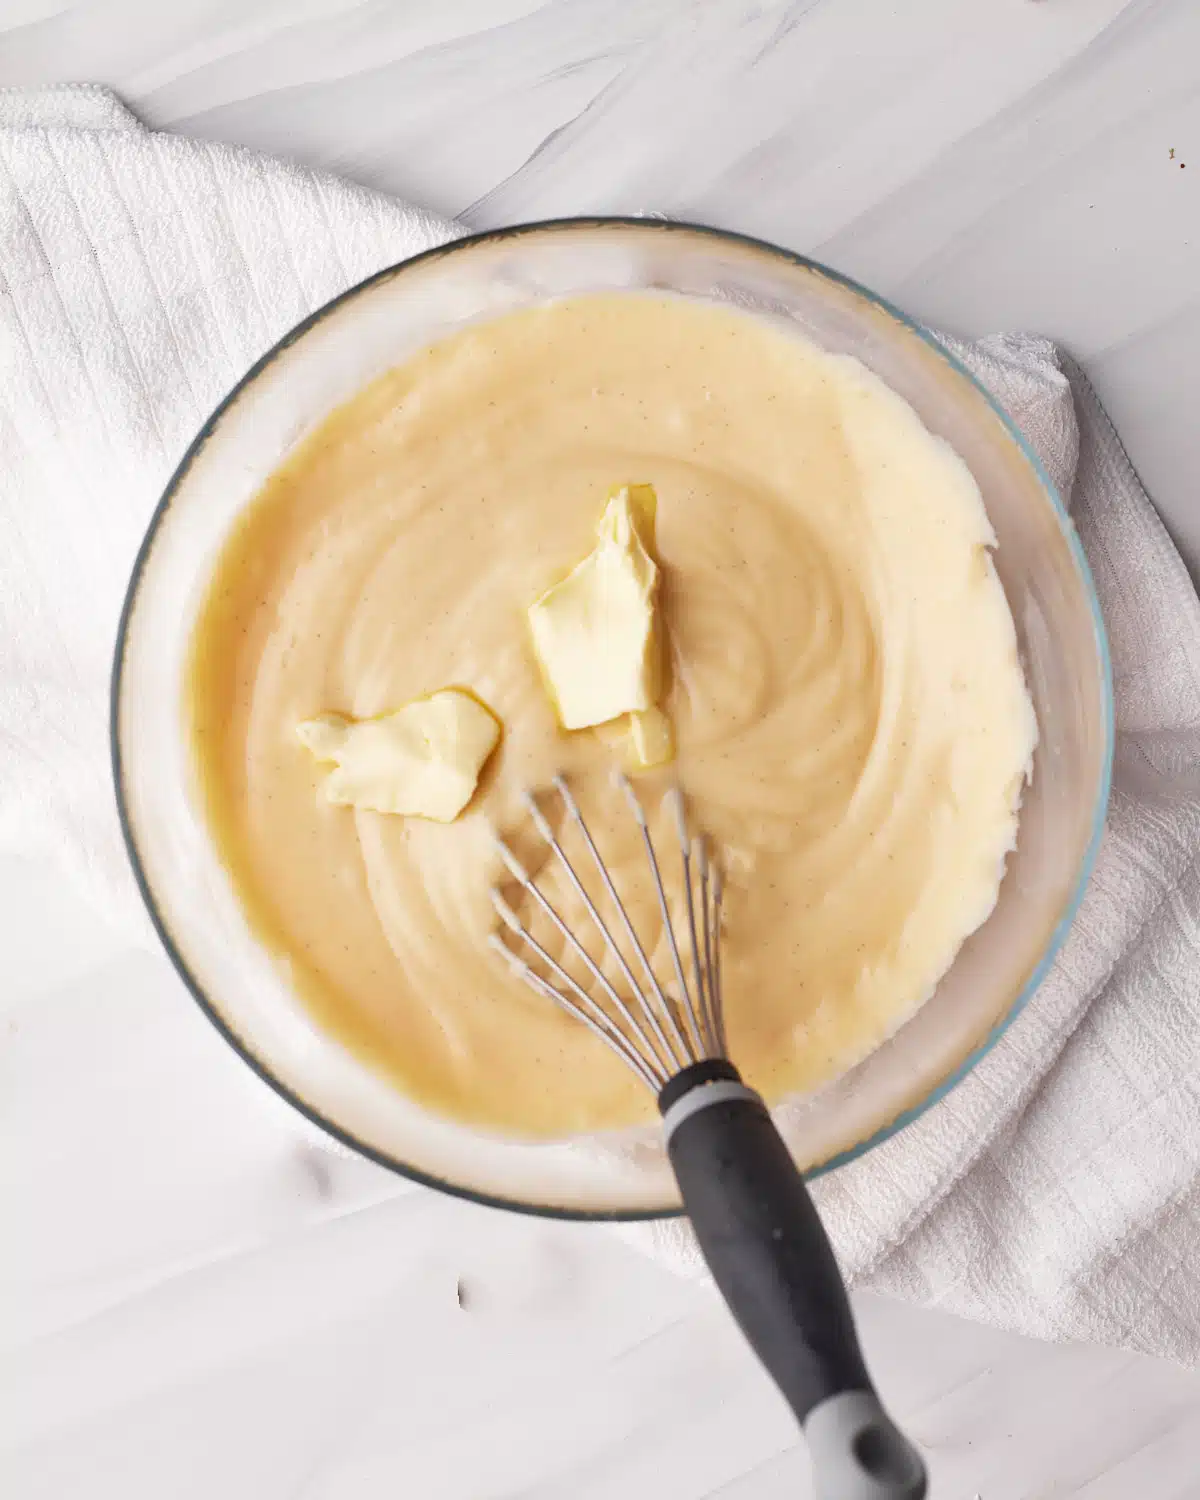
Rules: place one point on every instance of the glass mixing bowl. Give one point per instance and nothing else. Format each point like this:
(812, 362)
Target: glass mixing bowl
(376, 325)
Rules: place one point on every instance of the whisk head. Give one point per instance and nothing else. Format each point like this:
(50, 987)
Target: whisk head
(656, 1028)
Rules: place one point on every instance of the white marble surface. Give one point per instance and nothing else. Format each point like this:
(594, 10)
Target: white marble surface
(197, 1299)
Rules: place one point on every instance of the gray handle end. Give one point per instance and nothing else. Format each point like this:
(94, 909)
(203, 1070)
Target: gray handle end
(858, 1452)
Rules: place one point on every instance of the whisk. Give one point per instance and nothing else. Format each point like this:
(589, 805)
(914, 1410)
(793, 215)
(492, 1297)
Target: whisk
(752, 1215)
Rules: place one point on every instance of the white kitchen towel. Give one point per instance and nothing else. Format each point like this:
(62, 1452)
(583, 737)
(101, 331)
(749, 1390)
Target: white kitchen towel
(1057, 1190)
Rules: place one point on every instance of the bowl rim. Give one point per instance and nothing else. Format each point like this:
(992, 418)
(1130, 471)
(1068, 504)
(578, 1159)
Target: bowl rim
(636, 225)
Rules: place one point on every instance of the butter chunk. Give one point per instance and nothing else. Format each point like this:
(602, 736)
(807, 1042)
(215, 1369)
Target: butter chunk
(651, 738)
(422, 761)
(596, 634)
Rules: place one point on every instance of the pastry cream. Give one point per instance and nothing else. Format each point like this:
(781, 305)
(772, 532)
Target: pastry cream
(851, 722)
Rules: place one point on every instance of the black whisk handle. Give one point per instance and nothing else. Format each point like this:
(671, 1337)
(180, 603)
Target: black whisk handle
(772, 1262)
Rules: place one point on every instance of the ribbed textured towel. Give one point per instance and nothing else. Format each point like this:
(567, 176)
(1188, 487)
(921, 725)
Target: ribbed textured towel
(1056, 1190)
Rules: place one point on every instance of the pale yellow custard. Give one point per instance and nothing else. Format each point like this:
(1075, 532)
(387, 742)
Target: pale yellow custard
(850, 719)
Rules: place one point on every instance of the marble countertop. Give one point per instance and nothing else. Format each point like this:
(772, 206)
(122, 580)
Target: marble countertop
(198, 1299)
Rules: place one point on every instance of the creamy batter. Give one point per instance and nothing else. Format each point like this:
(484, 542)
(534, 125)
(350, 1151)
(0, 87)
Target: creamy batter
(851, 720)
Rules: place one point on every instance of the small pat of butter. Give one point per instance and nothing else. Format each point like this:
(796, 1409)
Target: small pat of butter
(422, 761)
(652, 741)
(595, 633)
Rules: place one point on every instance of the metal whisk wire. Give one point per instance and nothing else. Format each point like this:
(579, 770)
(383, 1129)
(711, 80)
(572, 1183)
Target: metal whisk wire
(655, 1033)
